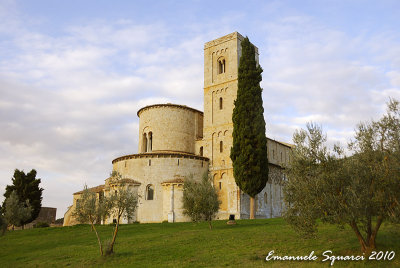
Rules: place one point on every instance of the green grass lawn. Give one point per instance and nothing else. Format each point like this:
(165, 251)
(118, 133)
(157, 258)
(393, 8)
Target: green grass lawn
(245, 244)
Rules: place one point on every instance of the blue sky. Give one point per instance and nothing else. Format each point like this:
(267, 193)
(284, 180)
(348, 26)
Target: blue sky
(74, 73)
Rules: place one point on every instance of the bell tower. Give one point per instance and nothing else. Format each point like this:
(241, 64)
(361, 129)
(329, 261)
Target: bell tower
(221, 63)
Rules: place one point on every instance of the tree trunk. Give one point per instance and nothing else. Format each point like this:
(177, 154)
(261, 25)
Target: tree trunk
(251, 207)
(359, 236)
(111, 247)
(367, 246)
(98, 238)
(372, 238)
(209, 224)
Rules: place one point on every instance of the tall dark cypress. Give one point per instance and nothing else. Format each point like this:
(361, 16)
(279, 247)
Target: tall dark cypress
(27, 188)
(249, 150)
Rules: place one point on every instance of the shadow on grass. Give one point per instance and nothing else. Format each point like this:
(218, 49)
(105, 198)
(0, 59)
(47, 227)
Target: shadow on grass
(122, 254)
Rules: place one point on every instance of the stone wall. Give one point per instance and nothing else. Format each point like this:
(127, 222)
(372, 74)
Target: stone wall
(269, 202)
(172, 128)
(155, 169)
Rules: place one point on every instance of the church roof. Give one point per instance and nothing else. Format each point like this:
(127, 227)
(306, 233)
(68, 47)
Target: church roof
(156, 154)
(281, 142)
(96, 189)
(124, 180)
(168, 105)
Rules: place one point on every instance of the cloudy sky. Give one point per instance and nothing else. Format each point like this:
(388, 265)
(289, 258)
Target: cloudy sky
(74, 73)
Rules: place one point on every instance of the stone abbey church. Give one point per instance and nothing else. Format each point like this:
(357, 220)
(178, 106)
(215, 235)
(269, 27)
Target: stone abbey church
(176, 141)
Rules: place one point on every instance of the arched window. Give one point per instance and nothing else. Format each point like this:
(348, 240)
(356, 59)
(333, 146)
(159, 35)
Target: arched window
(220, 103)
(221, 66)
(221, 146)
(144, 143)
(201, 151)
(149, 192)
(150, 141)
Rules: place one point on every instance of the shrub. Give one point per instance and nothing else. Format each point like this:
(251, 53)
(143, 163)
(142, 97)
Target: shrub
(41, 225)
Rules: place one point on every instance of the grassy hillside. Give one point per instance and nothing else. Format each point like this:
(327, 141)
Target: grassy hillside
(187, 244)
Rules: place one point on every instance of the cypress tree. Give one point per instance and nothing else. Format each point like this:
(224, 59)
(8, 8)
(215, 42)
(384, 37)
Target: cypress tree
(249, 150)
(27, 188)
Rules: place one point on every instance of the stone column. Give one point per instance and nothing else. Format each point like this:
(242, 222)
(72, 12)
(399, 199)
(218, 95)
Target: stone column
(171, 215)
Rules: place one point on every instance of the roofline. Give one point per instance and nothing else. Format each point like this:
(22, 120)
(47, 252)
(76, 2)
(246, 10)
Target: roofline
(227, 38)
(282, 143)
(91, 189)
(168, 105)
(158, 154)
(223, 39)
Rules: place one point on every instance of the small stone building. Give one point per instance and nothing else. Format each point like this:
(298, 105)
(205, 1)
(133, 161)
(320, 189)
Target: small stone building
(176, 141)
(46, 214)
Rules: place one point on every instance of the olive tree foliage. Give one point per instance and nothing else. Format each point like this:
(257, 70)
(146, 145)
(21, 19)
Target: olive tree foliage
(361, 190)
(200, 199)
(16, 212)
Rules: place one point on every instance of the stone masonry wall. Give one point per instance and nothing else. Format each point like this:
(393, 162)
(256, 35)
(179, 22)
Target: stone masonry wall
(155, 169)
(173, 127)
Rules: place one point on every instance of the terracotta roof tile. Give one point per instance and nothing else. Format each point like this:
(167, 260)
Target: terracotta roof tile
(96, 189)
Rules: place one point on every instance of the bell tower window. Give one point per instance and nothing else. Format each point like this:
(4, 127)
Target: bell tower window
(220, 103)
(221, 66)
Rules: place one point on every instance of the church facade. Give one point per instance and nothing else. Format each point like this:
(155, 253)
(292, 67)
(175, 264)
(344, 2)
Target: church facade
(176, 141)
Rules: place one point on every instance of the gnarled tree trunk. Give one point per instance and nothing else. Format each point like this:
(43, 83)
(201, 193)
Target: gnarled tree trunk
(368, 244)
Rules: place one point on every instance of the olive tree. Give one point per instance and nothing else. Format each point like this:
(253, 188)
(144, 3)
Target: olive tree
(200, 199)
(361, 189)
(16, 212)
(122, 204)
(89, 209)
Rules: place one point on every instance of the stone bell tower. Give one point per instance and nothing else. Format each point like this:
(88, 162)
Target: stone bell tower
(221, 62)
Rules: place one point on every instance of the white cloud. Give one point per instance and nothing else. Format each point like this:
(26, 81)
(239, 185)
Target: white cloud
(313, 73)
(69, 103)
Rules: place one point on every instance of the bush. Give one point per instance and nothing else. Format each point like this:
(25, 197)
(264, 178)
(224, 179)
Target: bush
(41, 225)
(200, 199)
